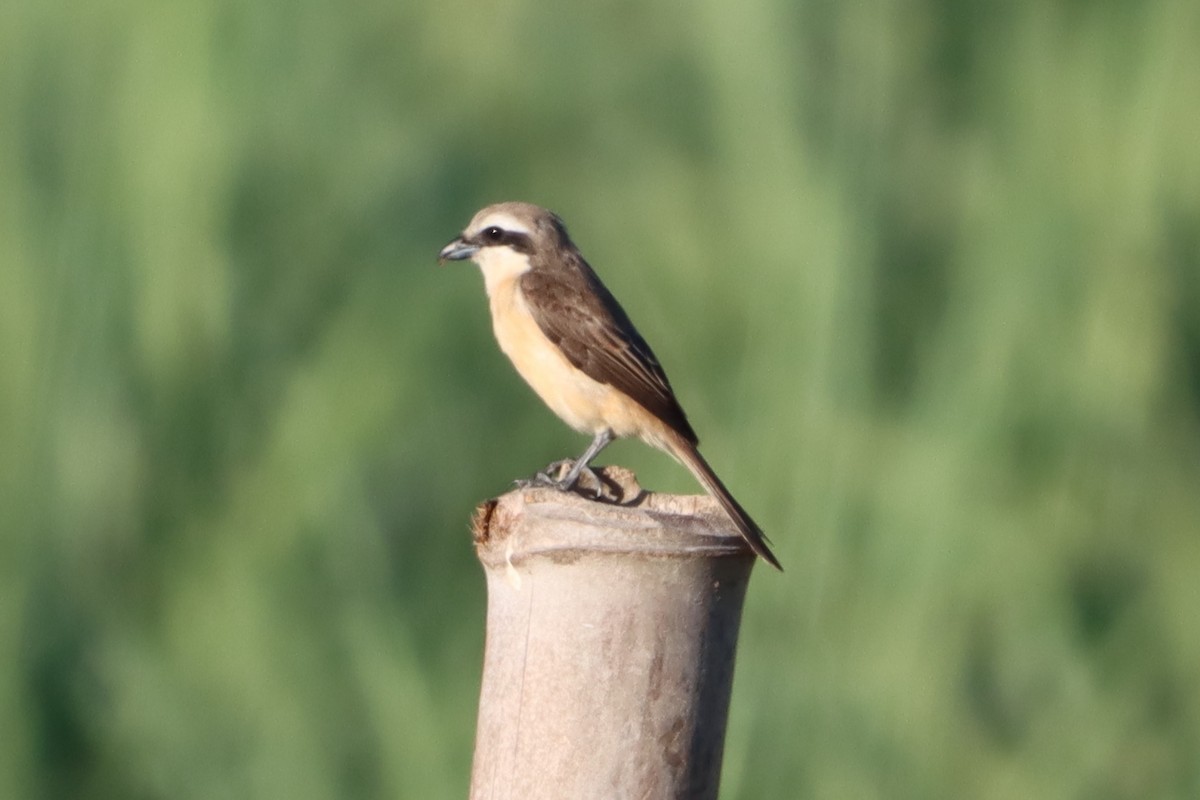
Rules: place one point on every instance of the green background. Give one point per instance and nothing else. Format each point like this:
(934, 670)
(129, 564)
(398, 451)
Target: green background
(925, 275)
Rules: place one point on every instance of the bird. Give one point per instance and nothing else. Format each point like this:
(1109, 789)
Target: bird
(573, 343)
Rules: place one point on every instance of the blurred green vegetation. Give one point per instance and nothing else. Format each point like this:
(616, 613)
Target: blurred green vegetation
(926, 276)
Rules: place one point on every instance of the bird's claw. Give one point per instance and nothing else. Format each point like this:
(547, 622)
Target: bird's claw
(593, 482)
(560, 468)
(539, 481)
(545, 479)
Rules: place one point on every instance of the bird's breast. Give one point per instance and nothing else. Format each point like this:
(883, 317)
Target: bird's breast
(580, 401)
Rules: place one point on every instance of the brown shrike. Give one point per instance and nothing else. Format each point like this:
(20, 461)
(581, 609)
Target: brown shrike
(572, 342)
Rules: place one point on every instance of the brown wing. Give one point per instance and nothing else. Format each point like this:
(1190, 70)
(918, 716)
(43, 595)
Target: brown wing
(578, 313)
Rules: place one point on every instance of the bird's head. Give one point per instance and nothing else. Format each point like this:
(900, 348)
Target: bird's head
(506, 239)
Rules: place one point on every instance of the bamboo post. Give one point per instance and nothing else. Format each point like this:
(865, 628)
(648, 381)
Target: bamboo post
(611, 632)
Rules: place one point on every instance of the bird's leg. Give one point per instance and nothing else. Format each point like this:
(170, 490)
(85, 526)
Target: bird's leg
(578, 467)
(581, 464)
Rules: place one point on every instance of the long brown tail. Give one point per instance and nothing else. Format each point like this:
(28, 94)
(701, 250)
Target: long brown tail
(690, 457)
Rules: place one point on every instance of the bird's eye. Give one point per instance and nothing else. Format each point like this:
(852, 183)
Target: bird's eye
(493, 234)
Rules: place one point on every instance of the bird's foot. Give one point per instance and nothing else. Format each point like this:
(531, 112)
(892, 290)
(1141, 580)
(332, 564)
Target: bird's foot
(557, 475)
(549, 478)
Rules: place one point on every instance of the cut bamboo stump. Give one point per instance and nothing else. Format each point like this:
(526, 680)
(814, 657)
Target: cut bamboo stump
(611, 632)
